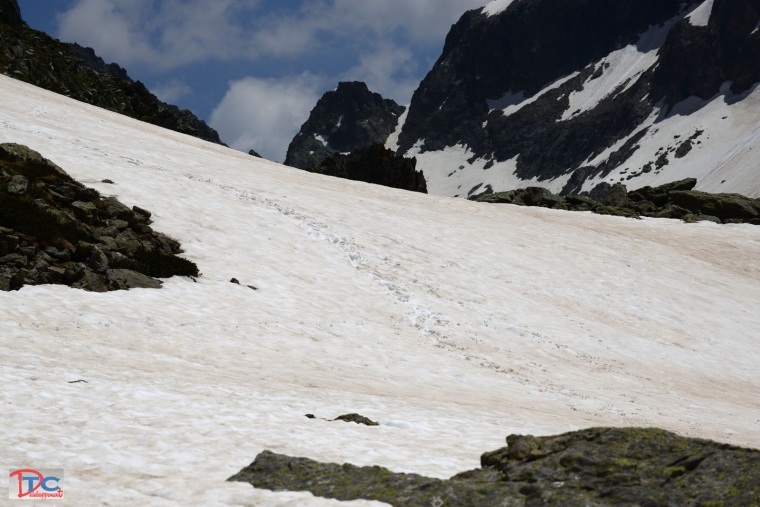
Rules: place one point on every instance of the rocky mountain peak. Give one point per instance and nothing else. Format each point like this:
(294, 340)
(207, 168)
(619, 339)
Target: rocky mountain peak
(345, 119)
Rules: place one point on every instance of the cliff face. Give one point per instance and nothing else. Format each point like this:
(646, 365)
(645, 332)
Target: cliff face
(696, 60)
(565, 93)
(77, 72)
(348, 118)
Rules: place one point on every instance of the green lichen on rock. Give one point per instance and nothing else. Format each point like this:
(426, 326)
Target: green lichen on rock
(598, 467)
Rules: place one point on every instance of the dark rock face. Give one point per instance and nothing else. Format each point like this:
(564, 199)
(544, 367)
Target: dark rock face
(531, 44)
(253, 153)
(77, 72)
(54, 230)
(600, 467)
(696, 60)
(489, 62)
(343, 120)
(673, 200)
(10, 14)
(377, 165)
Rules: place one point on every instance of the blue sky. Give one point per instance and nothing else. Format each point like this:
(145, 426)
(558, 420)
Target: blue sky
(254, 69)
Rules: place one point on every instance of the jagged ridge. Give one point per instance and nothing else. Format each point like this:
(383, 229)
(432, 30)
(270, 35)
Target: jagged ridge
(349, 118)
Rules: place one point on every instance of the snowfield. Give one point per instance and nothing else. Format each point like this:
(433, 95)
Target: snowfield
(451, 323)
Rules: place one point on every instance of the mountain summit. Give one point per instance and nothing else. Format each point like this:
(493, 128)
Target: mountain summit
(346, 119)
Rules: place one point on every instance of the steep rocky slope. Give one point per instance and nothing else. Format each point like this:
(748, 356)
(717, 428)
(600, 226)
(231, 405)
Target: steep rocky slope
(599, 466)
(77, 72)
(348, 118)
(567, 94)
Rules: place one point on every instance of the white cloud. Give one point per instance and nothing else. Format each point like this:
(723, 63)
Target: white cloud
(162, 34)
(167, 34)
(387, 70)
(172, 91)
(265, 114)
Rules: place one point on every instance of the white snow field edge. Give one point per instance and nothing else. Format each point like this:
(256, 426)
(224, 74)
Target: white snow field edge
(452, 323)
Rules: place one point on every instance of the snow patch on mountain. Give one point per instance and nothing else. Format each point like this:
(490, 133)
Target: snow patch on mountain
(701, 15)
(497, 7)
(723, 158)
(452, 172)
(392, 142)
(512, 102)
(620, 70)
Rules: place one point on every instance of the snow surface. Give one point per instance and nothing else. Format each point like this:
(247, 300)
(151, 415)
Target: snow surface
(701, 15)
(452, 323)
(496, 7)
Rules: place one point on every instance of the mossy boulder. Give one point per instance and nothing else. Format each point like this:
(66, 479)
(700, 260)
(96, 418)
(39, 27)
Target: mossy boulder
(617, 197)
(723, 206)
(539, 196)
(676, 200)
(598, 467)
(499, 197)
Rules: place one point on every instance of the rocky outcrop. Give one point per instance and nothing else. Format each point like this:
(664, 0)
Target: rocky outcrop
(54, 230)
(673, 200)
(346, 119)
(77, 72)
(377, 165)
(601, 467)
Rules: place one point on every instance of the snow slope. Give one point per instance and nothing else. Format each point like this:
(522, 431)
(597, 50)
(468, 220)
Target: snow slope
(452, 323)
